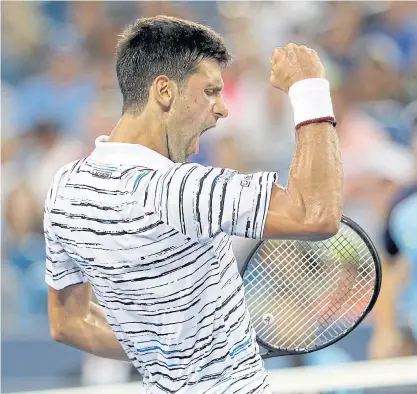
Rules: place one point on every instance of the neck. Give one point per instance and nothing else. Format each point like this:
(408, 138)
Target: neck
(143, 130)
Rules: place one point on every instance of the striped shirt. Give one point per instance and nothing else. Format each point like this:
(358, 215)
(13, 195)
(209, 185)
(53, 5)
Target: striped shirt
(153, 239)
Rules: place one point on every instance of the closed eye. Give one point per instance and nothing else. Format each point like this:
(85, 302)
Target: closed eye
(213, 92)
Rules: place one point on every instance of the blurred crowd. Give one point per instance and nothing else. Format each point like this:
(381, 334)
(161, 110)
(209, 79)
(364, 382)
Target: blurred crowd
(59, 92)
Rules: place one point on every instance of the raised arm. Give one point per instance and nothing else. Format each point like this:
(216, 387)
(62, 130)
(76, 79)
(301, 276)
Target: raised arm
(201, 202)
(311, 205)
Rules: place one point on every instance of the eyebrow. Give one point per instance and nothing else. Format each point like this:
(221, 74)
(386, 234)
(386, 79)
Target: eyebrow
(215, 86)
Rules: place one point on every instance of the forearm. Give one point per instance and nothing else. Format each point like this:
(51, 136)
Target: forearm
(92, 334)
(316, 175)
(96, 312)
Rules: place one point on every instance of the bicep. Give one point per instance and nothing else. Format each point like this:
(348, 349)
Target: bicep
(286, 218)
(285, 215)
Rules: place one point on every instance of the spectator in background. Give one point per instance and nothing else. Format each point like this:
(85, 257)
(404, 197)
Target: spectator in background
(48, 151)
(88, 18)
(24, 259)
(9, 171)
(21, 42)
(375, 166)
(344, 24)
(61, 94)
(22, 220)
(399, 22)
(376, 69)
(23, 244)
(395, 332)
(104, 113)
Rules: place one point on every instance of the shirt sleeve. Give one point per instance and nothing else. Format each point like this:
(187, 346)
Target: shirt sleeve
(202, 202)
(60, 271)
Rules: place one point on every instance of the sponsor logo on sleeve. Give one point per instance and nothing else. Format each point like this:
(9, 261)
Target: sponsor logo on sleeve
(246, 181)
(227, 176)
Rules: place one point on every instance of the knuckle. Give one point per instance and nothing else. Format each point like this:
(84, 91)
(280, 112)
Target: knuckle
(314, 53)
(276, 54)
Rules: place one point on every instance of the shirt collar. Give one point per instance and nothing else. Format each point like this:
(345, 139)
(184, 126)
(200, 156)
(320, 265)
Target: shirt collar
(132, 154)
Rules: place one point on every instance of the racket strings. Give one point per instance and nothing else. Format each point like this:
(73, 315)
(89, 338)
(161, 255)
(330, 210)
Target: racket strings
(300, 300)
(311, 292)
(349, 316)
(268, 276)
(350, 320)
(337, 330)
(272, 301)
(298, 319)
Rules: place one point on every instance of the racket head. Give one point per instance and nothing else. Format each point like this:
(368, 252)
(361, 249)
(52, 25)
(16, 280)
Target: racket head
(347, 226)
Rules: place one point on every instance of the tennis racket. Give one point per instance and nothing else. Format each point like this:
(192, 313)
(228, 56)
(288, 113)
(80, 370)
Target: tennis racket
(303, 296)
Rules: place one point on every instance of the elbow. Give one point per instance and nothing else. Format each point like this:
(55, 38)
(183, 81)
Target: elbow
(291, 217)
(327, 228)
(58, 333)
(324, 216)
(325, 225)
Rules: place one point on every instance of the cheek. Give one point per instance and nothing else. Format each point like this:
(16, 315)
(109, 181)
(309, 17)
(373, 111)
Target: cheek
(196, 114)
(193, 111)
(201, 104)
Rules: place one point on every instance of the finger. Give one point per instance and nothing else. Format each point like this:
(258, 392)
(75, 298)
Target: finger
(290, 53)
(314, 53)
(277, 54)
(291, 46)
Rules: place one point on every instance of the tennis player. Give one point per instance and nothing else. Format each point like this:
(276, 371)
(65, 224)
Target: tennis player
(149, 234)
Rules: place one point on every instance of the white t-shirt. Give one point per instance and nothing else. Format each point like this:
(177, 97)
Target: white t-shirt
(153, 239)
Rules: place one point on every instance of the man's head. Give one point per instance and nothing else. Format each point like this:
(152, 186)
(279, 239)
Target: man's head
(172, 68)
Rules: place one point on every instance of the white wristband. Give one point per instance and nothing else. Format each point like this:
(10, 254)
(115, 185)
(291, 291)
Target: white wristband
(310, 99)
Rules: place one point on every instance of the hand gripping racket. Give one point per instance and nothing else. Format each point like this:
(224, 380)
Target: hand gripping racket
(303, 296)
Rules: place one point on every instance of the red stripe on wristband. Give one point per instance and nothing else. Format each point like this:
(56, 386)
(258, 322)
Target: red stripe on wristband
(328, 119)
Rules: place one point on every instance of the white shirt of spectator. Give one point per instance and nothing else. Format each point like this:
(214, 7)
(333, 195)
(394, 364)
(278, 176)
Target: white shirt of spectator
(153, 239)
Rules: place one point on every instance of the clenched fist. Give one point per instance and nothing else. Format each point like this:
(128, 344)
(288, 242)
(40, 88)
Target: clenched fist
(294, 63)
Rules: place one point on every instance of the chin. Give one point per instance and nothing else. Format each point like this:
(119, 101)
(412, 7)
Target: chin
(180, 158)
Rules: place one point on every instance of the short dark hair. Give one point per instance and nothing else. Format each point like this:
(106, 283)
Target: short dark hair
(163, 45)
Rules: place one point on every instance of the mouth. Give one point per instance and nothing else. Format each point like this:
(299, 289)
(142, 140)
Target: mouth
(195, 148)
(208, 128)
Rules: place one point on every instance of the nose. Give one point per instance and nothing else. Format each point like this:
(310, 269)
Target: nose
(220, 108)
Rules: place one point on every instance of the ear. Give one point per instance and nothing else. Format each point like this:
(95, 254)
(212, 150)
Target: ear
(164, 91)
